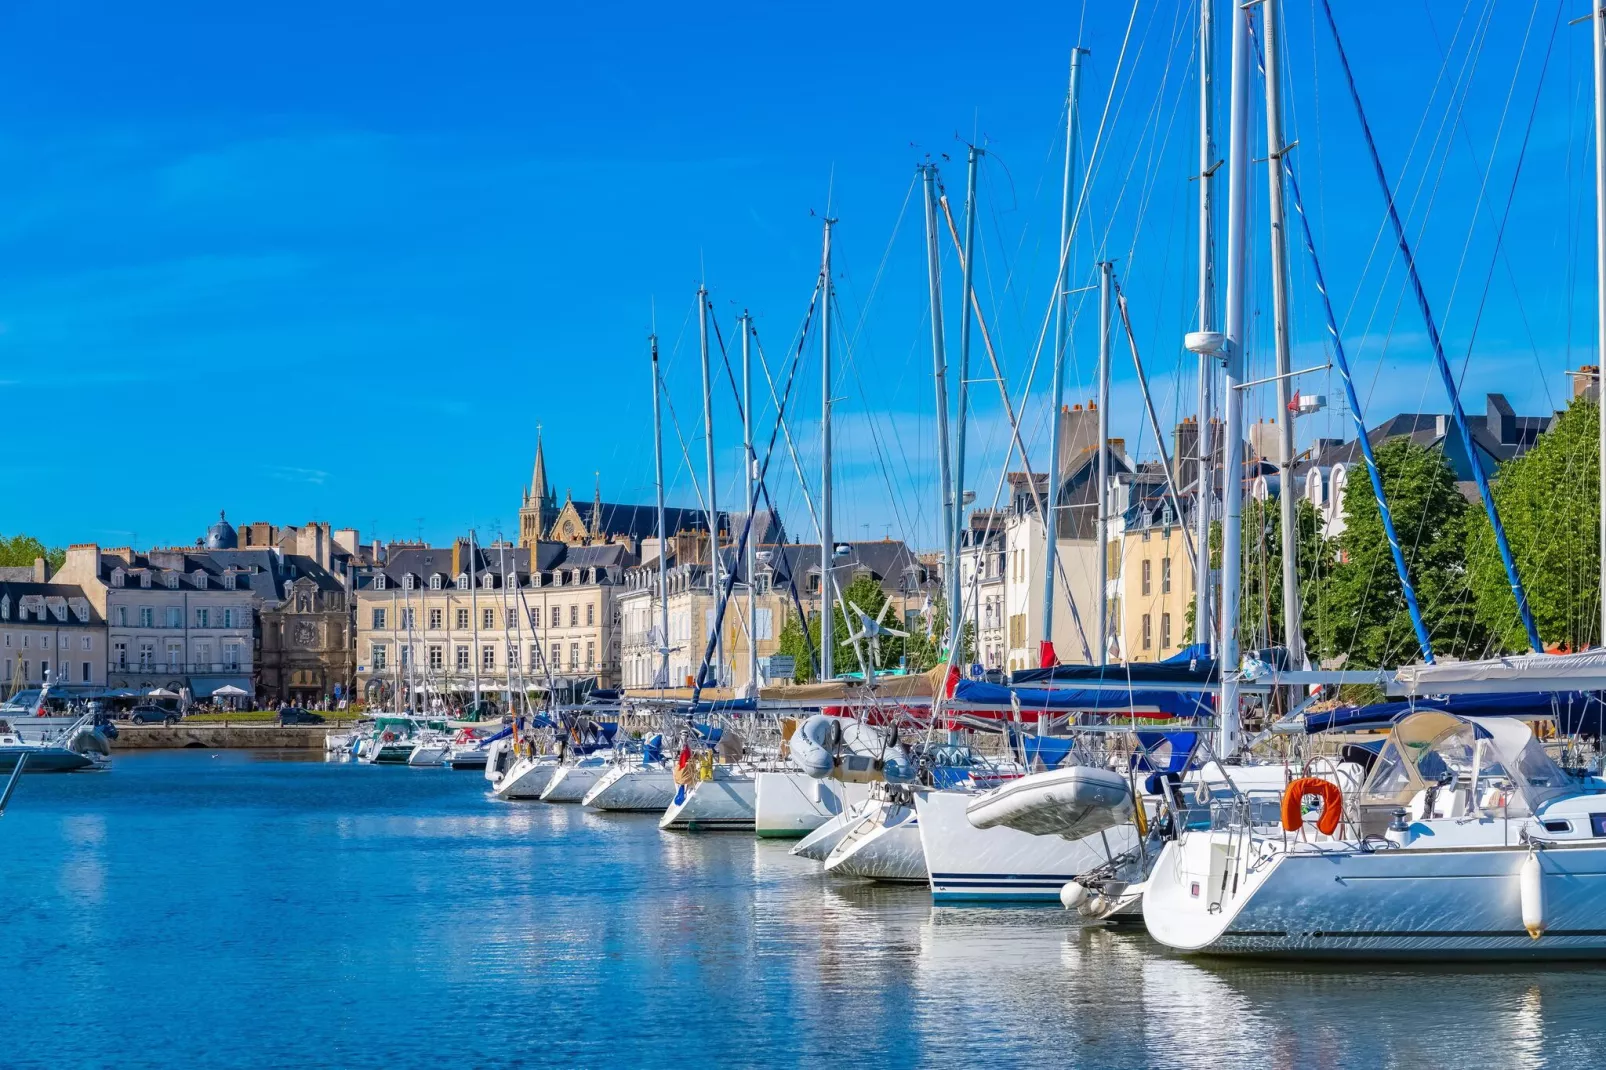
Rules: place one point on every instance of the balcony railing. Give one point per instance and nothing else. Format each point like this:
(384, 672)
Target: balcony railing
(181, 668)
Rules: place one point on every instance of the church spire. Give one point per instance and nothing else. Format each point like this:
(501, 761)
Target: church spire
(596, 508)
(540, 492)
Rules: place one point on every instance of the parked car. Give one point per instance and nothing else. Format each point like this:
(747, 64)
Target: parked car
(296, 715)
(152, 715)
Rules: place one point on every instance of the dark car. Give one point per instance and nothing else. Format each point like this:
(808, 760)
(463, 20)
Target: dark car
(152, 715)
(297, 715)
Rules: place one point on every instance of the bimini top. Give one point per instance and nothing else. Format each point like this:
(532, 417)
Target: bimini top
(1584, 671)
(1426, 747)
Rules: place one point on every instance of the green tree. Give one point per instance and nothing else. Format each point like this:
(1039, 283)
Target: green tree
(916, 651)
(1362, 612)
(21, 550)
(1260, 591)
(1549, 503)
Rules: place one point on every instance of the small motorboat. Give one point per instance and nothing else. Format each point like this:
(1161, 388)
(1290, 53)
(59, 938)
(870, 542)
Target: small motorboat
(1074, 802)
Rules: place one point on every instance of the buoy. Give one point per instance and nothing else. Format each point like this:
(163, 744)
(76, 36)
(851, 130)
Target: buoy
(1073, 895)
(1530, 884)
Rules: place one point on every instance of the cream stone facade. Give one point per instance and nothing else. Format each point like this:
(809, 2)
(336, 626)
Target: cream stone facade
(49, 633)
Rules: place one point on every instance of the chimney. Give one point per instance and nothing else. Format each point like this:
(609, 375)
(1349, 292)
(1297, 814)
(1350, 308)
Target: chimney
(1079, 432)
(1501, 420)
(1585, 380)
(41, 571)
(1265, 442)
(1185, 452)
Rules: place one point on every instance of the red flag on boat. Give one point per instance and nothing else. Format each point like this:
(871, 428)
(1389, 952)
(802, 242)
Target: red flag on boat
(685, 756)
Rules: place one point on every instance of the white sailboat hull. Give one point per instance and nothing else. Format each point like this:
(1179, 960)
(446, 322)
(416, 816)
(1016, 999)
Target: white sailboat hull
(884, 845)
(1002, 864)
(795, 804)
(819, 844)
(428, 754)
(1344, 903)
(633, 788)
(527, 779)
(572, 780)
(726, 802)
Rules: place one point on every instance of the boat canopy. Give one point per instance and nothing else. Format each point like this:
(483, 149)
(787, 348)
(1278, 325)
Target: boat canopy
(1575, 712)
(1040, 752)
(1585, 671)
(1165, 752)
(1426, 747)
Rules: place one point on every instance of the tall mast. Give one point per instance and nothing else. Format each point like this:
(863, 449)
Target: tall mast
(1062, 333)
(827, 543)
(954, 615)
(1103, 488)
(1293, 636)
(1232, 448)
(474, 617)
(750, 462)
(939, 371)
(1207, 342)
(1599, 20)
(407, 611)
(507, 634)
(663, 536)
(708, 442)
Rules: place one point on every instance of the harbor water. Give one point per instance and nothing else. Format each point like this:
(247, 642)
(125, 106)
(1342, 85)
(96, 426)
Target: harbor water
(236, 909)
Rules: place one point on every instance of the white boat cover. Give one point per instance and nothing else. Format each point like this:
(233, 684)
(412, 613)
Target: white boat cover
(1584, 671)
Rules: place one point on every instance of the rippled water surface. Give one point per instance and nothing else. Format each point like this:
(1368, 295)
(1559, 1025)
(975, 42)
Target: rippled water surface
(191, 908)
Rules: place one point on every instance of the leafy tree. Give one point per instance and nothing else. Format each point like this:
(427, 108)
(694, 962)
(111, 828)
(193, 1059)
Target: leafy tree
(21, 550)
(1549, 502)
(1363, 611)
(866, 594)
(1260, 591)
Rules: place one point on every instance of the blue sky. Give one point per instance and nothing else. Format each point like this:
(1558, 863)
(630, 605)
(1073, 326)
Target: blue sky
(338, 262)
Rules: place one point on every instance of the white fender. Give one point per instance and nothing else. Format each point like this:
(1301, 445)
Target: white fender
(1073, 895)
(1530, 883)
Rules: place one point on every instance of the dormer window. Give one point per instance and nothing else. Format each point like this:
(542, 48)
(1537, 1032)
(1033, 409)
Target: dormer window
(379, 582)
(5, 607)
(200, 580)
(409, 581)
(462, 581)
(171, 578)
(488, 580)
(80, 610)
(60, 611)
(228, 581)
(118, 576)
(144, 579)
(435, 581)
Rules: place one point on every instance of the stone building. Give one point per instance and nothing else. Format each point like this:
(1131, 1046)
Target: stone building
(442, 620)
(49, 633)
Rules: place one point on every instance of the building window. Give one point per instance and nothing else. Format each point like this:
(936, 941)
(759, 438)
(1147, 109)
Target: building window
(27, 669)
(574, 655)
(88, 644)
(122, 616)
(512, 656)
(591, 655)
(379, 618)
(574, 616)
(409, 582)
(462, 659)
(487, 619)
(147, 656)
(84, 675)
(487, 658)
(203, 618)
(120, 656)
(1148, 631)
(406, 652)
(175, 656)
(380, 655)
(175, 617)
(1146, 579)
(147, 617)
(763, 623)
(462, 618)
(231, 656)
(407, 618)
(557, 658)
(228, 618)
(228, 581)
(1165, 631)
(591, 615)
(535, 656)
(1165, 575)
(379, 582)
(435, 619)
(557, 617)
(462, 583)
(203, 654)
(435, 582)
(437, 657)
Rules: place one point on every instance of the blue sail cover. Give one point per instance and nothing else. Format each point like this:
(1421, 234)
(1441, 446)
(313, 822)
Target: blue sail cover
(1032, 748)
(1575, 712)
(1094, 700)
(1165, 752)
(1191, 665)
(726, 705)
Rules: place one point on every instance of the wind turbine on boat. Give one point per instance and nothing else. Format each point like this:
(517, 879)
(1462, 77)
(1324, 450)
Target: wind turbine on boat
(872, 629)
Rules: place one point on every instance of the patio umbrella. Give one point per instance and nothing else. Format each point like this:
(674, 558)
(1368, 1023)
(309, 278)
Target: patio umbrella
(230, 691)
(161, 692)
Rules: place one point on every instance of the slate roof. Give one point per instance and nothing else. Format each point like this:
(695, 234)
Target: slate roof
(17, 591)
(425, 561)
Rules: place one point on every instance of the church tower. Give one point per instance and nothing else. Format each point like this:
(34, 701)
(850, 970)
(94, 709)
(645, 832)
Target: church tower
(540, 508)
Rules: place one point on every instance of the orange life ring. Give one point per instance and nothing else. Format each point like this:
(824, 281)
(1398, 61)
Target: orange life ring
(1325, 790)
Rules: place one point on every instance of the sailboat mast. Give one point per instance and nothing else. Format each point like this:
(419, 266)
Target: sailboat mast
(1599, 29)
(827, 543)
(663, 535)
(1293, 635)
(750, 463)
(954, 615)
(1232, 401)
(708, 442)
(1204, 445)
(1062, 333)
(939, 371)
(474, 617)
(1103, 468)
